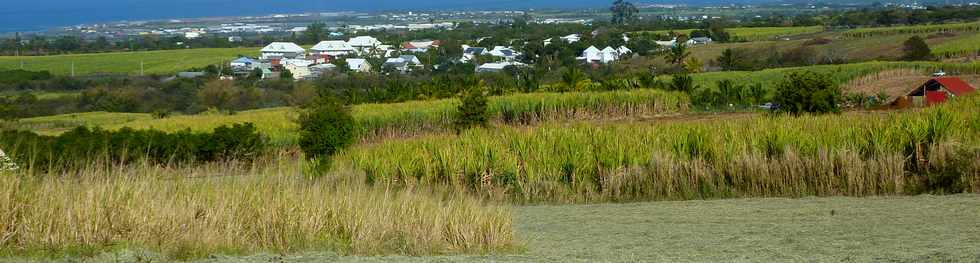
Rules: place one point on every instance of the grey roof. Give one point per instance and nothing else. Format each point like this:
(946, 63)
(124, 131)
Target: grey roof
(475, 50)
(190, 74)
(396, 64)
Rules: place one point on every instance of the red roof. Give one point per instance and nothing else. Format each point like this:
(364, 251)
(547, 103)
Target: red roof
(955, 85)
(408, 45)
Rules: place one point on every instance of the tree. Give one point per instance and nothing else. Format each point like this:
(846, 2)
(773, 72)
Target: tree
(623, 12)
(808, 92)
(314, 33)
(218, 94)
(677, 54)
(729, 60)
(285, 74)
(915, 48)
(325, 128)
(472, 110)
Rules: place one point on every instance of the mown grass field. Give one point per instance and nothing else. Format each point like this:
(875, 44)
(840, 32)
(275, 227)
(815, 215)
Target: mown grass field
(154, 62)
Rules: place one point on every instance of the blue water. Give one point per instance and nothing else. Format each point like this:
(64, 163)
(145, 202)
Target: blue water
(34, 15)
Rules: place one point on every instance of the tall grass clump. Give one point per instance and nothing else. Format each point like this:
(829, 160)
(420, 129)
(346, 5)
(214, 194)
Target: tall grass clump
(189, 212)
(857, 154)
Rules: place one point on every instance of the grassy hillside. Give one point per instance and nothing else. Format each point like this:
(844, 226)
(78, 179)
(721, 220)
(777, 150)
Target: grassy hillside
(154, 62)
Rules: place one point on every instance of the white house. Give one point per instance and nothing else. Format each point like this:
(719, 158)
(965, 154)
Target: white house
(670, 43)
(504, 52)
(300, 68)
(332, 48)
(591, 54)
(282, 50)
(358, 65)
(571, 38)
(698, 41)
(364, 44)
(420, 45)
(609, 54)
(497, 66)
(623, 50)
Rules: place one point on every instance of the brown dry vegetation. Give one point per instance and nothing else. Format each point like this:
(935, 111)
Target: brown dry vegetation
(234, 208)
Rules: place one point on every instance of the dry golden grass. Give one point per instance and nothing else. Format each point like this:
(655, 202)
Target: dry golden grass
(232, 208)
(896, 82)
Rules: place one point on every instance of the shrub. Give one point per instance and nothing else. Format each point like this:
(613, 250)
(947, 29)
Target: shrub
(808, 91)
(83, 146)
(472, 110)
(916, 49)
(682, 82)
(325, 127)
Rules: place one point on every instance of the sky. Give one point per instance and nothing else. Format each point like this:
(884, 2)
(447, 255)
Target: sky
(35, 15)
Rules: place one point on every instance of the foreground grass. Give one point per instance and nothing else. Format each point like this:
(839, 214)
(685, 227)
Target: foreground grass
(154, 62)
(229, 208)
(894, 229)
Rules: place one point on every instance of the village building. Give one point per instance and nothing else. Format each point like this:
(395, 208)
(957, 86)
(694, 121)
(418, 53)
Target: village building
(698, 41)
(277, 51)
(364, 44)
(571, 38)
(242, 64)
(358, 65)
(300, 68)
(934, 91)
(420, 46)
(497, 66)
(506, 53)
(670, 43)
(470, 53)
(323, 51)
(605, 55)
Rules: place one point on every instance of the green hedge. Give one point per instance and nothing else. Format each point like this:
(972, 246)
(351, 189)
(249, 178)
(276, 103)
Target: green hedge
(84, 146)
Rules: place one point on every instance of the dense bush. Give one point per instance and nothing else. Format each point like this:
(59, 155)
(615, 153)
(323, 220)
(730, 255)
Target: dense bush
(915, 48)
(472, 110)
(808, 92)
(84, 146)
(325, 127)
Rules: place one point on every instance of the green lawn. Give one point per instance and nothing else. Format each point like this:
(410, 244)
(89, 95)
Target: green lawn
(154, 62)
(874, 229)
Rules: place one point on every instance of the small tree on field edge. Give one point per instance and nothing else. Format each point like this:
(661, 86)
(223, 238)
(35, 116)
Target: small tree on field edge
(808, 92)
(472, 110)
(916, 49)
(325, 127)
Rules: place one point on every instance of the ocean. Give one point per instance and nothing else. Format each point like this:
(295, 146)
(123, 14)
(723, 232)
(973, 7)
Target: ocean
(37, 15)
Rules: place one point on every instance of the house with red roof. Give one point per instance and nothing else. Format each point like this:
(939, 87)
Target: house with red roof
(938, 90)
